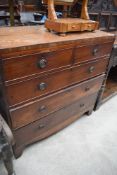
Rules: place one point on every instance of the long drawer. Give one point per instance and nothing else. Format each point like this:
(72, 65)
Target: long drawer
(54, 122)
(26, 90)
(19, 67)
(30, 112)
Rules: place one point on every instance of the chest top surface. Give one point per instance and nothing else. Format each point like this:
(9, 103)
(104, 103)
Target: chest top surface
(15, 39)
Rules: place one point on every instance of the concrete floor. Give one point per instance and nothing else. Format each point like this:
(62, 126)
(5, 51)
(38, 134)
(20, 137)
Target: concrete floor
(86, 147)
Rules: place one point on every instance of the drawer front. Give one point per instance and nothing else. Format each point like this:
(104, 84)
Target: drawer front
(38, 87)
(89, 26)
(54, 122)
(19, 67)
(24, 66)
(74, 27)
(82, 26)
(40, 108)
(91, 52)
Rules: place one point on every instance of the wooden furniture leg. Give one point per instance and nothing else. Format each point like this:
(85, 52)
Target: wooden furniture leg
(51, 11)
(6, 154)
(90, 112)
(84, 12)
(6, 140)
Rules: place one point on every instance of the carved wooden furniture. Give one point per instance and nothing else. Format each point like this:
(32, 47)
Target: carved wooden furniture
(65, 25)
(49, 81)
(6, 140)
(105, 12)
(110, 89)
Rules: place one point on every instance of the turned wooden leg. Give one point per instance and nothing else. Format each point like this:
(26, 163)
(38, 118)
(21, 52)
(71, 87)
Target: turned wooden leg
(84, 12)
(6, 153)
(7, 158)
(9, 166)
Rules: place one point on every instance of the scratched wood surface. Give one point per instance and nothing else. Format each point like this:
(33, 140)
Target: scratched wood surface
(12, 38)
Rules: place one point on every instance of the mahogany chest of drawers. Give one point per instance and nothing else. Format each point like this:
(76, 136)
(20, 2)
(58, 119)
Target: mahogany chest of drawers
(48, 81)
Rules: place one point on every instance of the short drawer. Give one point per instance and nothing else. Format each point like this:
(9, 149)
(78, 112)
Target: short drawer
(54, 122)
(40, 108)
(90, 26)
(19, 67)
(91, 52)
(82, 26)
(40, 86)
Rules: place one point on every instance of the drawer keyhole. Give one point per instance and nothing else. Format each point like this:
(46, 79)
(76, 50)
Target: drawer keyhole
(82, 105)
(87, 89)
